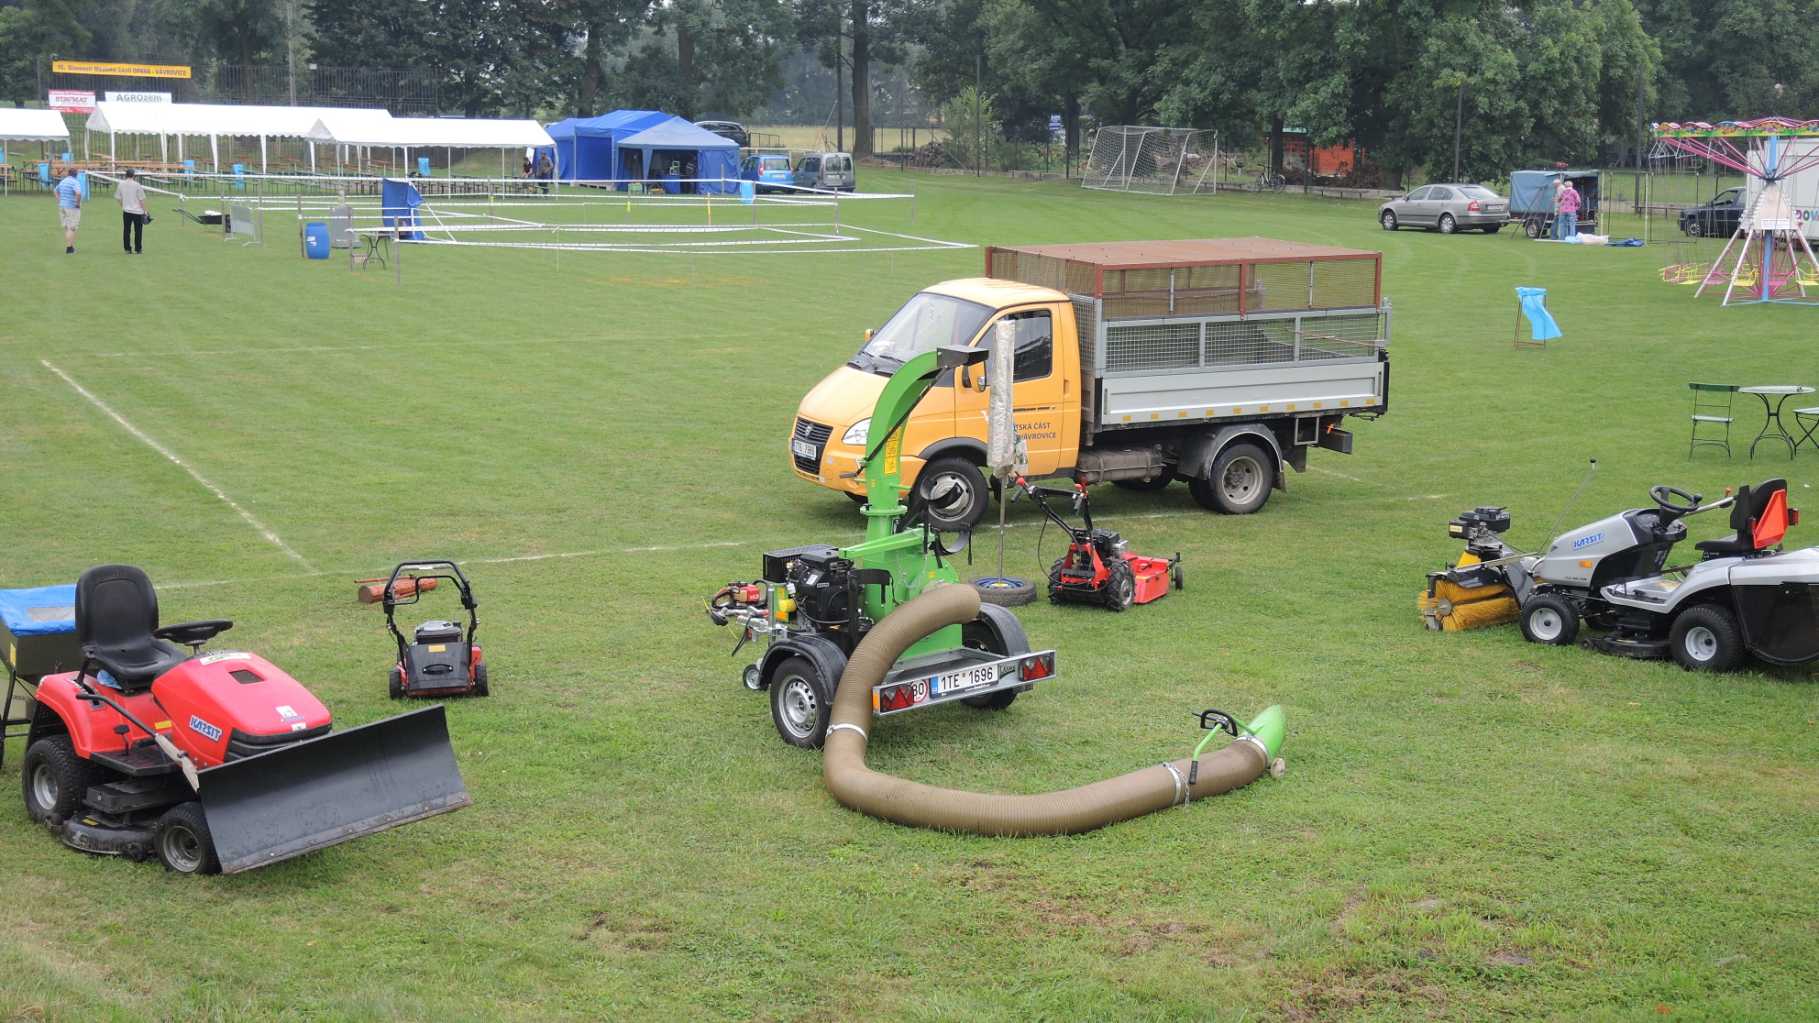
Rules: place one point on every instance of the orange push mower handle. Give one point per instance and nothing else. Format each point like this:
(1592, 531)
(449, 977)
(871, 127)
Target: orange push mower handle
(372, 591)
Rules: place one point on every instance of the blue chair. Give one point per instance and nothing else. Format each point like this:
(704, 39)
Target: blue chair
(240, 176)
(1532, 302)
(423, 166)
(44, 174)
(189, 166)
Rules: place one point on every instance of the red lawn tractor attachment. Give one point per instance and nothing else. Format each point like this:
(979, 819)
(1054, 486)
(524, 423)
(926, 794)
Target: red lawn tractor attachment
(1099, 566)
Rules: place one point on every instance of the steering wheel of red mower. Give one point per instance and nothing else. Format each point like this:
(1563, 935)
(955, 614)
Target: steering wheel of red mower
(1664, 495)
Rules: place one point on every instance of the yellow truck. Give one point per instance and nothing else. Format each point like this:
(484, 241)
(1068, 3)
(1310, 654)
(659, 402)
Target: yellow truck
(1216, 361)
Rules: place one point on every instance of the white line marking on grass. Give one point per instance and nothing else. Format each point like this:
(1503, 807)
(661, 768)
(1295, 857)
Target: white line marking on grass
(382, 347)
(148, 441)
(315, 573)
(1330, 472)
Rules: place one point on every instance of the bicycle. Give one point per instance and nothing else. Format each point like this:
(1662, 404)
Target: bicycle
(1267, 182)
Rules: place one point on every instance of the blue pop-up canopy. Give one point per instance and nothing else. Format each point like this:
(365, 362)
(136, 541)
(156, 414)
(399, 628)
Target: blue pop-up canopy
(587, 147)
(677, 141)
(643, 145)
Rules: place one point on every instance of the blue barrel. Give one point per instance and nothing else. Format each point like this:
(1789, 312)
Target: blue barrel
(315, 240)
(672, 183)
(748, 192)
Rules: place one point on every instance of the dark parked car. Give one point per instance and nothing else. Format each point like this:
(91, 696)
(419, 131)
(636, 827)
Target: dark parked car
(1718, 218)
(728, 130)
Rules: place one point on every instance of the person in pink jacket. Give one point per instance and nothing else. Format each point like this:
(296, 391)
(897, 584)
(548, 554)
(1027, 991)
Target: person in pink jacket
(1566, 219)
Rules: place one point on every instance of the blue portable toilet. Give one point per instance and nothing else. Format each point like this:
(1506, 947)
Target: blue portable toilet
(315, 240)
(423, 166)
(240, 176)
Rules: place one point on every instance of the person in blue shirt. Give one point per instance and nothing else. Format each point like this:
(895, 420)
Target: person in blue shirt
(69, 208)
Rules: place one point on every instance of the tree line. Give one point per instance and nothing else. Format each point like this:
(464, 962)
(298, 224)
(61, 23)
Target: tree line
(1517, 81)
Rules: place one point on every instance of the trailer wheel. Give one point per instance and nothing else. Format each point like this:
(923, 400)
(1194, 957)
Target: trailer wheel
(976, 635)
(950, 495)
(1532, 228)
(54, 779)
(801, 703)
(1704, 638)
(1239, 481)
(1551, 619)
(184, 843)
(1121, 588)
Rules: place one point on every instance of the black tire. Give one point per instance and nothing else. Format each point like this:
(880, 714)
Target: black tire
(976, 635)
(1160, 482)
(1493, 228)
(802, 702)
(480, 687)
(54, 779)
(1693, 228)
(858, 499)
(1705, 638)
(394, 682)
(1388, 220)
(1121, 588)
(1239, 481)
(1532, 228)
(1550, 619)
(1005, 591)
(1447, 224)
(1179, 577)
(183, 841)
(950, 494)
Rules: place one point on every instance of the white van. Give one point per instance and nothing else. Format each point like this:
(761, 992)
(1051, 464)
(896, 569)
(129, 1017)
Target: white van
(828, 171)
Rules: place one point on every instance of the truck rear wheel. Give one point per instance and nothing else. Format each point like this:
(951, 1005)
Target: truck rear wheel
(950, 494)
(1239, 481)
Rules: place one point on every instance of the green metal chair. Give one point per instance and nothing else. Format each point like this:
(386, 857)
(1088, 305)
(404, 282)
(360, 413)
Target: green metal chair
(1712, 409)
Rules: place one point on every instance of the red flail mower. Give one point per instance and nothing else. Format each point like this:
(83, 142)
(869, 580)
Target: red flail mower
(1099, 567)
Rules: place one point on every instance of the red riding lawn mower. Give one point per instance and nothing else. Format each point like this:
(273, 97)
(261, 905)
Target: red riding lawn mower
(1099, 566)
(216, 761)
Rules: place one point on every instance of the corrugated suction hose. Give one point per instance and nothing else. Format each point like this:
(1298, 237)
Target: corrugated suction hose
(1051, 813)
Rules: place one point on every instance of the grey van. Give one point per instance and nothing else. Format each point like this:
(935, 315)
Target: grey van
(829, 171)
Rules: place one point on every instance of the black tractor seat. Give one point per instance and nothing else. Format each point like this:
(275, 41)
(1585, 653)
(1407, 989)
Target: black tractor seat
(116, 615)
(1751, 504)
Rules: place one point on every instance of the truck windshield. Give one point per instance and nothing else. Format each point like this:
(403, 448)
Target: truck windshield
(926, 322)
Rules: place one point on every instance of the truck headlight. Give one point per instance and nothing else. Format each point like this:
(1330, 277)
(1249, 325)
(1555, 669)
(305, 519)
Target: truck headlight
(855, 434)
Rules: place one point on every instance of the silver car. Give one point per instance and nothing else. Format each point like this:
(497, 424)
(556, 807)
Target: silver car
(1447, 208)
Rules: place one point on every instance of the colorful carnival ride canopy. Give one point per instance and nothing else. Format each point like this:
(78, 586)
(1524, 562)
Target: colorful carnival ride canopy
(1758, 148)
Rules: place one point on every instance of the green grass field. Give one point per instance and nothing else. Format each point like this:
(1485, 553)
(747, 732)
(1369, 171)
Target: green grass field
(1471, 827)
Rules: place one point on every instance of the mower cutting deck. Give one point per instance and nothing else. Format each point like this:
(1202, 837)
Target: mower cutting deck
(1099, 567)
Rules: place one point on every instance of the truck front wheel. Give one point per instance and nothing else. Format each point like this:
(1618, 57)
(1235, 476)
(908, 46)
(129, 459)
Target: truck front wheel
(950, 494)
(1239, 481)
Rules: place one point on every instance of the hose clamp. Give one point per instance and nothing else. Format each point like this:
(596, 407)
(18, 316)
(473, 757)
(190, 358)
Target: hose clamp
(1181, 792)
(847, 726)
(1258, 743)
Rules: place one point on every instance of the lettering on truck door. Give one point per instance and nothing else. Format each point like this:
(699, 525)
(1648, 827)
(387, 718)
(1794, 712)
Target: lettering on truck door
(1037, 391)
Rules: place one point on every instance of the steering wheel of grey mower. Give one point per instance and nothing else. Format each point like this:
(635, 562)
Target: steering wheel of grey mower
(1664, 495)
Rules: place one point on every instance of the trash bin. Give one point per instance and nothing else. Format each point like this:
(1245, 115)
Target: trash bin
(748, 192)
(672, 183)
(315, 240)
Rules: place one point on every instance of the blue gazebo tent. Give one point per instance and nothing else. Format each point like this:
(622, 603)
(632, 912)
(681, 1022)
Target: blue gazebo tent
(641, 145)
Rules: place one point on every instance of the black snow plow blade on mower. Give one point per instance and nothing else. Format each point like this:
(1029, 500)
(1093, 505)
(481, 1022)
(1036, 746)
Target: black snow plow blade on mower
(321, 792)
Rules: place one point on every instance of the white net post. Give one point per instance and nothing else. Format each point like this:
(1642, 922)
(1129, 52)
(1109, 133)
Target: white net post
(1153, 160)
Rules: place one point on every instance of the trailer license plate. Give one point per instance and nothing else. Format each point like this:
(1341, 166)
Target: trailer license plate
(971, 678)
(803, 448)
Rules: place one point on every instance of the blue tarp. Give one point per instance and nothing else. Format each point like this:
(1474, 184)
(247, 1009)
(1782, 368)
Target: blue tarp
(398, 202)
(642, 145)
(39, 611)
(1532, 191)
(1541, 322)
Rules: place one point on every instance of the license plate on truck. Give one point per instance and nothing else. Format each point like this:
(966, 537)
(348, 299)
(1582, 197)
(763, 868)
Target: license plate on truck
(803, 448)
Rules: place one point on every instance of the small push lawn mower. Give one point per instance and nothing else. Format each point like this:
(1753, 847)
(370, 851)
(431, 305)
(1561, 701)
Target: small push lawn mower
(1099, 566)
(216, 761)
(815, 603)
(1744, 595)
(440, 659)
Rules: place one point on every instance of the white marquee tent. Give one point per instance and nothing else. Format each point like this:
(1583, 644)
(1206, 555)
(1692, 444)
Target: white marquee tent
(408, 133)
(31, 125)
(215, 121)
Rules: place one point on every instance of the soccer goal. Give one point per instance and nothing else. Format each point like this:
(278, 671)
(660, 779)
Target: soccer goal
(1158, 161)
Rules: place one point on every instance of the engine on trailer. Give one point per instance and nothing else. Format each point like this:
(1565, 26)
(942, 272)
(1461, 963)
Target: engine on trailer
(804, 589)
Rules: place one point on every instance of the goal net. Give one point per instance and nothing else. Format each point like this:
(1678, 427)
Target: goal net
(1159, 161)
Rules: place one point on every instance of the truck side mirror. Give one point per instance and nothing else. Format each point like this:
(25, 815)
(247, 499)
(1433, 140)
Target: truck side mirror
(981, 383)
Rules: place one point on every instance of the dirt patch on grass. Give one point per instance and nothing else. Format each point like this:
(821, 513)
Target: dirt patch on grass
(633, 934)
(1341, 989)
